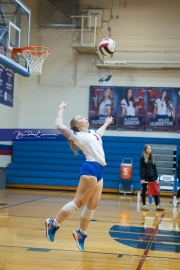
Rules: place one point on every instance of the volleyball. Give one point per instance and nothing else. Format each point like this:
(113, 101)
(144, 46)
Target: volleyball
(170, 113)
(107, 46)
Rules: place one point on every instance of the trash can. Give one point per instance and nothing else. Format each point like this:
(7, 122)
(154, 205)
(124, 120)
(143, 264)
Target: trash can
(3, 177)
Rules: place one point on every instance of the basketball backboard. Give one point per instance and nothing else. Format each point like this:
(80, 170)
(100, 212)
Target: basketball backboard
(15, 20)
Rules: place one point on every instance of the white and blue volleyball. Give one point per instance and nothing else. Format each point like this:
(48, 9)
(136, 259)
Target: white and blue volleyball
(107, 46)
(170, 113)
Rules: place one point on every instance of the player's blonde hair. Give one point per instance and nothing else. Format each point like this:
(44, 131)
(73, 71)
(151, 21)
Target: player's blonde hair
(147, 156)
(73, 126)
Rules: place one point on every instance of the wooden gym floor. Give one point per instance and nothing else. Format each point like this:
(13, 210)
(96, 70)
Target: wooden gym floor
(120, 236)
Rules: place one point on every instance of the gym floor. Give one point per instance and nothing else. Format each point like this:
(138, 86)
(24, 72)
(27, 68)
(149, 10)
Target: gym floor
(120, 236)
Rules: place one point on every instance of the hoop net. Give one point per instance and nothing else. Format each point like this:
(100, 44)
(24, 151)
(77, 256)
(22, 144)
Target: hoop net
(35, 57)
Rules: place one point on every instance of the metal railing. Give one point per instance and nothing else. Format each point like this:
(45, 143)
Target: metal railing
(85, 27)
(146, 50)
(165, 51)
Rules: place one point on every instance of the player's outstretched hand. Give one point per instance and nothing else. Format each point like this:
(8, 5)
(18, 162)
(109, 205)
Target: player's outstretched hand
(109, 120)
(63, 105)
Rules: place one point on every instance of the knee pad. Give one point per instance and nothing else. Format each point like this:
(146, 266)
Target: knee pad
(70, 207)
(87, 213)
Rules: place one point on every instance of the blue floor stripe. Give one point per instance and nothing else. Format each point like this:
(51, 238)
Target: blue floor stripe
(39, 249)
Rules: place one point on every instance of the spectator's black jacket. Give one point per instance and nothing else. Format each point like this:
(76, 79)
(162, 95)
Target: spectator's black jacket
(147, 170)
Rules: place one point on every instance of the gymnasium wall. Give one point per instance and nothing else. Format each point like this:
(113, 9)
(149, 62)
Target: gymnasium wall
(10, 118)
(51, 164)
(67, 76)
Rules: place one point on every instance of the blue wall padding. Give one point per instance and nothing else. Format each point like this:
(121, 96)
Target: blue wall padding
(52, 163)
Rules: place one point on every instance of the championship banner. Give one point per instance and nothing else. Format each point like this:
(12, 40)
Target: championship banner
(103, 102)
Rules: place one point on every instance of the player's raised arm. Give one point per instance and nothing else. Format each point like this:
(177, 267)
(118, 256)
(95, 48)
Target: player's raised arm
(102, 129)
(59, 121)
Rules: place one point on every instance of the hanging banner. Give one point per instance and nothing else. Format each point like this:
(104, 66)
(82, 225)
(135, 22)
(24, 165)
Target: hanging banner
(103, 102)
(6, 86)
(161, 109)
(135, 108)
(131, 108)
(2, 74)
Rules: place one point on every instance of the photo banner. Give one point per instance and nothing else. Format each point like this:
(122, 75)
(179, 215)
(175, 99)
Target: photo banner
(6, 86)
(131, 109)
(103, 101)
(178, 111)
(161, 109)
(135, 108)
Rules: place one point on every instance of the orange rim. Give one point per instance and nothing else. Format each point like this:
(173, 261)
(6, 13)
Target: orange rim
(29, 50)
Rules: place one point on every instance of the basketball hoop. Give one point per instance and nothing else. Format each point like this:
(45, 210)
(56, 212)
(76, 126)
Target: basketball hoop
(34, 55)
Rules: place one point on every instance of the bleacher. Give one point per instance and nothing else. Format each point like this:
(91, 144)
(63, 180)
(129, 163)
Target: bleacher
(52, 165)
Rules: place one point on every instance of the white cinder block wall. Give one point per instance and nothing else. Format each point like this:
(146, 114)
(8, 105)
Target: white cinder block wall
(67, 76)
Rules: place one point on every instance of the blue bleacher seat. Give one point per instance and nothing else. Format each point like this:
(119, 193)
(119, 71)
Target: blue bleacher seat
(52, 163)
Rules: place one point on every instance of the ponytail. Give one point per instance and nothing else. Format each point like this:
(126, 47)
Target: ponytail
(73, 147)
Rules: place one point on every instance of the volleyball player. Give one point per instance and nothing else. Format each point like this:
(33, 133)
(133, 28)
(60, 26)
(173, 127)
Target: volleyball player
(91, 180)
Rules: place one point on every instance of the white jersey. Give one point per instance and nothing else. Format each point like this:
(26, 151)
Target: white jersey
(130, 110)
(91, 145)
(161, 106)
(104, 105)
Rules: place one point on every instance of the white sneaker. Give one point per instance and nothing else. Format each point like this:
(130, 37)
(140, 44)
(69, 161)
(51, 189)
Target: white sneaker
(175, 202)
(144, 208)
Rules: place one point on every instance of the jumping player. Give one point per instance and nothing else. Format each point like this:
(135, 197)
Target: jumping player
(91, 180)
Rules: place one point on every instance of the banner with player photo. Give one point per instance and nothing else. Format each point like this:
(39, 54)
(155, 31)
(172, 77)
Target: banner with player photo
(161, 109)
(135, 108)
(177, 117)
(131, 114)
(103, 101)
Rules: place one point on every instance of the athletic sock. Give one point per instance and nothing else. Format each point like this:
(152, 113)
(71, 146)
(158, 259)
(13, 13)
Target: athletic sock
(55, 223)
(83, 232)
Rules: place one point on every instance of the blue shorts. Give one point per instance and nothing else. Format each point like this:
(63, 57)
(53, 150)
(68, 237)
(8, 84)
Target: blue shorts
(92, 168)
